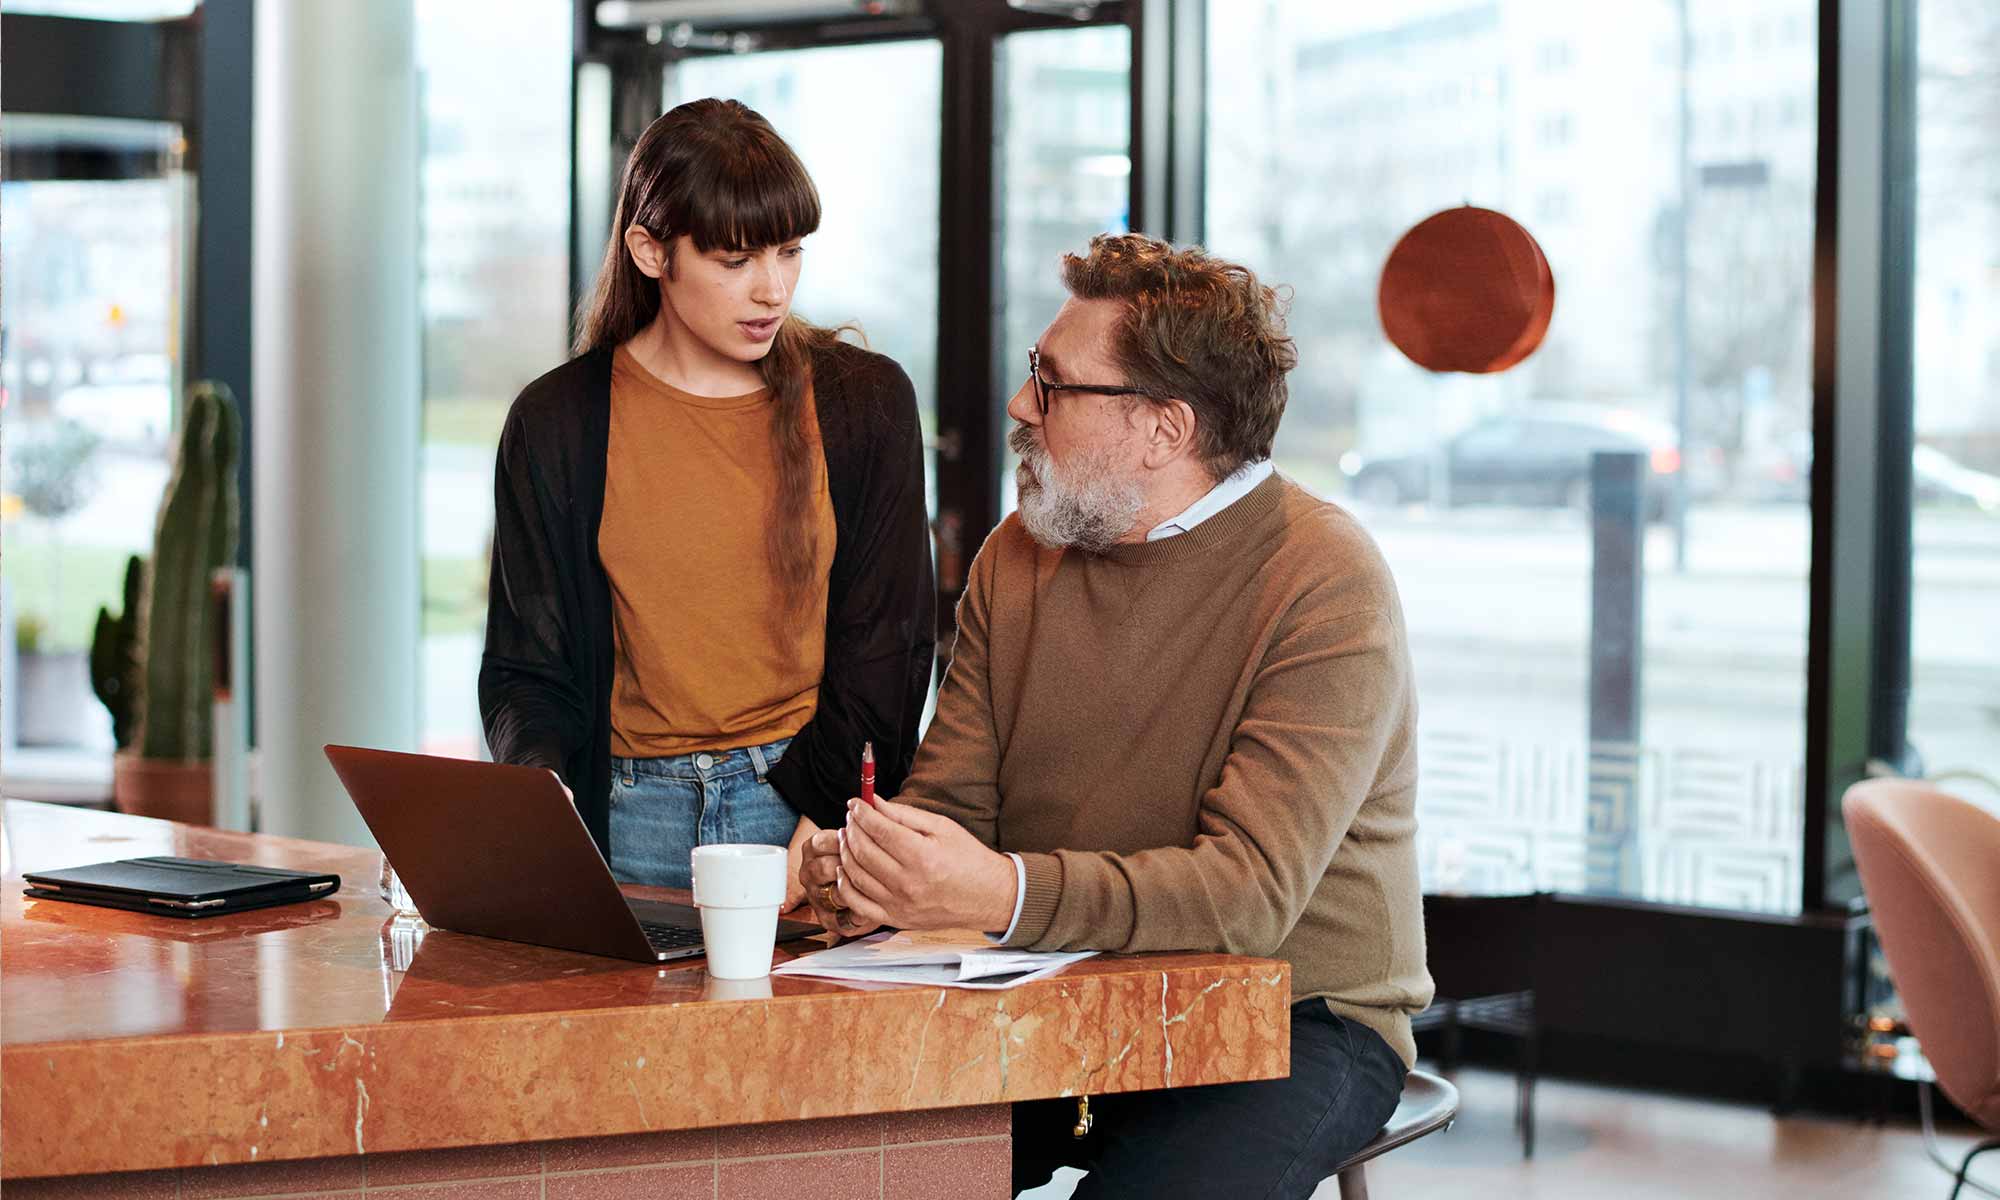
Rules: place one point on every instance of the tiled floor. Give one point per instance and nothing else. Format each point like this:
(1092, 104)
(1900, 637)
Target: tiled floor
(1596, 1142)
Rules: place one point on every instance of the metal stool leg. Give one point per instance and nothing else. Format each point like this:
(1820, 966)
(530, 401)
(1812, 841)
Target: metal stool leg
(1530, 1051)
(1956, 1187)
(1354, 1182)
(1448, 1043)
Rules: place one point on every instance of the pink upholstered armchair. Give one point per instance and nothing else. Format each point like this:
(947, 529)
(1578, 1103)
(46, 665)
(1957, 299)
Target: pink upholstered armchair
(1930, 866)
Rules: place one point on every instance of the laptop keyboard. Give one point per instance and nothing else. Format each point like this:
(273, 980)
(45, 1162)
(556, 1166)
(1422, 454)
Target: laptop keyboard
(662, 936)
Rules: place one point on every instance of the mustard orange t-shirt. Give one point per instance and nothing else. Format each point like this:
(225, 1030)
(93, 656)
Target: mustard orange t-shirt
(706, 657)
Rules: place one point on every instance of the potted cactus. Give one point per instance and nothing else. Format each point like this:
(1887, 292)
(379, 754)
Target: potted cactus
(153, 663)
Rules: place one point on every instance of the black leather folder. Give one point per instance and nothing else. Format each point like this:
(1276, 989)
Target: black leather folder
(179, 887)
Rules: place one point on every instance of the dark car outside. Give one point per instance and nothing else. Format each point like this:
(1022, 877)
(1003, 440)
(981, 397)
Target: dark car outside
(1536, 457)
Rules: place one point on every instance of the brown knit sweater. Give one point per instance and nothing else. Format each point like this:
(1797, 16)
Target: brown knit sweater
(1206, 742)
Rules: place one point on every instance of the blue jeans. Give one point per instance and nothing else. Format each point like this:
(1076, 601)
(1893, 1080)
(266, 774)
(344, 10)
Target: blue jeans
(662, 808)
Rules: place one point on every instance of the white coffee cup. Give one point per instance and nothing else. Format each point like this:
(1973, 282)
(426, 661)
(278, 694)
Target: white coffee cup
(738, 889)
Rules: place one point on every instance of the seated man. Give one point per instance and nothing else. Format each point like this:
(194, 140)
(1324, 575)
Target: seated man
(1179, 716)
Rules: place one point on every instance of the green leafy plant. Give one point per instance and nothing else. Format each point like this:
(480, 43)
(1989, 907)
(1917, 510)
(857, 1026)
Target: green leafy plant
(31, 633)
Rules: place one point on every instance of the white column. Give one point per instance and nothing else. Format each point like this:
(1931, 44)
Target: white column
(336, 391)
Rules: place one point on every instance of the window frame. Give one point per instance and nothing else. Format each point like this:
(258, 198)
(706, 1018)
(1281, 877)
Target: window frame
(1858, 640)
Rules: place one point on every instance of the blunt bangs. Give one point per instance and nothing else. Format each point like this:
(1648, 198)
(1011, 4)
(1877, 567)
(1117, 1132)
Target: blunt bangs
(756, 194)
(710, 170)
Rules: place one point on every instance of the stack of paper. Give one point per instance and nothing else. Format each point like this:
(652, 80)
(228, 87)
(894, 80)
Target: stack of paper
(942, 958)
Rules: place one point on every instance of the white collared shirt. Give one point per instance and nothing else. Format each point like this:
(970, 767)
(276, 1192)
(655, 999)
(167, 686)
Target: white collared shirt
(1240, 483)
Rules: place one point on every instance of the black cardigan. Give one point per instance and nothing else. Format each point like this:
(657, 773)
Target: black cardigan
(545, 679)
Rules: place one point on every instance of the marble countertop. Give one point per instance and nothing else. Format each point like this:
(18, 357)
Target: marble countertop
(326, 1028)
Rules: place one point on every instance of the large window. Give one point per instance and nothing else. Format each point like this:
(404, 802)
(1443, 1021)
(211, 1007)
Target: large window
(1955, 637)
(494, 218)
(1663, 155)
(1062, 173)
(95, 224)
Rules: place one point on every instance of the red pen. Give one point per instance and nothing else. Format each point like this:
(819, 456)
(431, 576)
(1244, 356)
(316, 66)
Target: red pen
(868, 772)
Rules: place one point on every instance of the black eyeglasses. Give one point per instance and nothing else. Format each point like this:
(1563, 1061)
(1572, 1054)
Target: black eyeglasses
(1043, 387)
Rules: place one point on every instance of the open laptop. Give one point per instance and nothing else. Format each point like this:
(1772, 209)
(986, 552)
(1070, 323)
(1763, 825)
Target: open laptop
(499, 851)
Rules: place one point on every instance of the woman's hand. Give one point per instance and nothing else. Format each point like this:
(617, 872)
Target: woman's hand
(820, 874)
(795, 891)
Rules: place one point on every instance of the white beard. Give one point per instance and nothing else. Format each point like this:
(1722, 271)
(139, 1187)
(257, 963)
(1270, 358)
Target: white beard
(1091, 510)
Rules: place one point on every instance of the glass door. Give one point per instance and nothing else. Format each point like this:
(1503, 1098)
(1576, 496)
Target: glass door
(865, 119)
(1062, 174)
(943, 247)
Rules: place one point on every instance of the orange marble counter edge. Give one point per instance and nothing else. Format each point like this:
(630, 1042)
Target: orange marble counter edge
(207, 1099)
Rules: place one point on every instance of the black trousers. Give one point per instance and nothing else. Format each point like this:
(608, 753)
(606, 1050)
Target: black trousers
(1273, 1138)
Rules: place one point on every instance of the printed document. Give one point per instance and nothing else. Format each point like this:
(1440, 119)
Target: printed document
(938, 958)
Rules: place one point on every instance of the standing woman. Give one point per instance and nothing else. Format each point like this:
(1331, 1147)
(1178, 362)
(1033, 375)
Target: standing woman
(711, 559)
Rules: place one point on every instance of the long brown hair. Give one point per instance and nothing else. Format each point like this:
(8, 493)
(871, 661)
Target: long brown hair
(717, 172)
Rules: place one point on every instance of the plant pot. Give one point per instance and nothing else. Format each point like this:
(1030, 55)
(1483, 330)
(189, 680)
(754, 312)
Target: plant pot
(172, 791)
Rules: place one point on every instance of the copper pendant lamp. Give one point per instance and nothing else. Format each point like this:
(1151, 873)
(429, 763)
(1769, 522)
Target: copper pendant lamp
(1467, 289)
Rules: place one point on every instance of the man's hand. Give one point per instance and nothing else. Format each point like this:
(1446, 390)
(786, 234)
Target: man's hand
(819, 866)
(917, 870)
(795, 892)
(567, 794)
